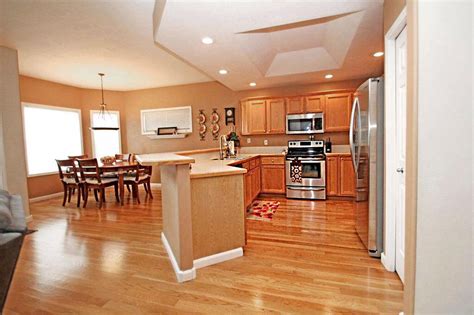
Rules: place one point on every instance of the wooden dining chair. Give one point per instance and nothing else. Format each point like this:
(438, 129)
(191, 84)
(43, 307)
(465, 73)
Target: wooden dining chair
(75, 157)
(92, 178)
(141, 175)
(69, 179)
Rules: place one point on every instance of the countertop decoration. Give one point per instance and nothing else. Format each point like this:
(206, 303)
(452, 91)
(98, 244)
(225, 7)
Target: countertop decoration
(202, 125)
(215, 124)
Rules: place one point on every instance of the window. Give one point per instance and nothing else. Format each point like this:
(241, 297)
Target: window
(50, 133)
(105, 142)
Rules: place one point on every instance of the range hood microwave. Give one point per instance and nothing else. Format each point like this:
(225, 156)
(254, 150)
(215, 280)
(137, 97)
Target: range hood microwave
(304, 124)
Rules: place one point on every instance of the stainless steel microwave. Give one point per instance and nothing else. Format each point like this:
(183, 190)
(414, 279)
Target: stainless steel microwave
(305, 123)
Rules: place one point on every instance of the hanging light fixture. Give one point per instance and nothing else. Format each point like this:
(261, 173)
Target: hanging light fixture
(103, 112)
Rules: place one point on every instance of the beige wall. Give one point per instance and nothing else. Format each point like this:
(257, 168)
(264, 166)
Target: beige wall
(13, 149)
(442, 93)
(391, 10)
(38, 91)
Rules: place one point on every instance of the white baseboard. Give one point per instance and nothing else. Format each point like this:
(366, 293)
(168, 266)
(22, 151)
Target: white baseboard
(156, 185)
(218, 258)
(386, 264)
(46, 197)
(181, 275)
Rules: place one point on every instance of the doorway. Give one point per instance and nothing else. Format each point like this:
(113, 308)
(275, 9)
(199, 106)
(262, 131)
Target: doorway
(393, 257)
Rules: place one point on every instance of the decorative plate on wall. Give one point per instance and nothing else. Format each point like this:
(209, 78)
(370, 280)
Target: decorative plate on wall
(202, 127)
(215, 124)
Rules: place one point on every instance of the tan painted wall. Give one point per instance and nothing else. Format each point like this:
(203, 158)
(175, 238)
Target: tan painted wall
(391, 10)
(12, 130)
(50, 93)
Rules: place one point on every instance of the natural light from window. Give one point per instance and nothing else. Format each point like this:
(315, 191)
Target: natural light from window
(50, 133)
(105, 142)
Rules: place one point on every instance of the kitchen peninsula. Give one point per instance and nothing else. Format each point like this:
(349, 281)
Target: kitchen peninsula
(203, 210)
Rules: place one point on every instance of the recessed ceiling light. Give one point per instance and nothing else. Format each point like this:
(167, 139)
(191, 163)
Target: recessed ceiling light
(253, 84)
(328, 76)
(207, 40)
(378, 54)
(223, 71)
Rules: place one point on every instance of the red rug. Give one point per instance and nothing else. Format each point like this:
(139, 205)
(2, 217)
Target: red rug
(262, 210)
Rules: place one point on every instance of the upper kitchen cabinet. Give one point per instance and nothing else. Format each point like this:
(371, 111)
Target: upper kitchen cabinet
(265, 116)
(276, 116)
(295, 105)
(305, 104)
(337, 112)
(315, 103)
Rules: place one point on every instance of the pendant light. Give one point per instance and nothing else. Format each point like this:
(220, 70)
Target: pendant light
(103, 112)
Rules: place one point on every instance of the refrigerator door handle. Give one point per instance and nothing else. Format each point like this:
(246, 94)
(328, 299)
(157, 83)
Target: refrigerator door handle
(351, 133)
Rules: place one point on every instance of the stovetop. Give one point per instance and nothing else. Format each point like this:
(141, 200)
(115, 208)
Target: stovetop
(306, 149)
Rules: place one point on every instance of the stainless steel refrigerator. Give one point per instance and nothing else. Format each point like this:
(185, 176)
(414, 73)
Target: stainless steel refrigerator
(366, 143)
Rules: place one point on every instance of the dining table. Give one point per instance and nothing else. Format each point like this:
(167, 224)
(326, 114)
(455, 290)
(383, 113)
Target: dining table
(121, 168)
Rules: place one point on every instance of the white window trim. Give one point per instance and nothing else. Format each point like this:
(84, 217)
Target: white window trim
(92, 131)
(26, 104)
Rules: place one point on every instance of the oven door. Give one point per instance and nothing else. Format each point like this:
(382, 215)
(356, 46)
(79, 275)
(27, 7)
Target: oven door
(313, 173)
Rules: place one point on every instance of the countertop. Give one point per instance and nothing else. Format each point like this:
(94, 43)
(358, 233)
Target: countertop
(205, 163)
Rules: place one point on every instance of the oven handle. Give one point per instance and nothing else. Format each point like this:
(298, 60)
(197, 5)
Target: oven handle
(307, 189)
(306, 159)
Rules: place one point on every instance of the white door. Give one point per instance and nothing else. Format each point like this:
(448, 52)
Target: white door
(400, 108)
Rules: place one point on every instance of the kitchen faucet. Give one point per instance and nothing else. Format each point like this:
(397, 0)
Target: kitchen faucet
(223, 147)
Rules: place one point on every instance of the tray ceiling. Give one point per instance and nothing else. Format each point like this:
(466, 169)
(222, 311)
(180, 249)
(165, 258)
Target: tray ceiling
(274, 43)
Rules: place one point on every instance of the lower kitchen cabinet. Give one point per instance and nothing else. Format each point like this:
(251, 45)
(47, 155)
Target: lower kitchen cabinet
(273, 179)
(340, 178)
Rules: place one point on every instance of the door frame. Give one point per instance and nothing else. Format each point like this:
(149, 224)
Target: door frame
(391, 179)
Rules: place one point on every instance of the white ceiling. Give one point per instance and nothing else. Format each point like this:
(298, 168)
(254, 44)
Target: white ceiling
(71, 41)
(275, 42)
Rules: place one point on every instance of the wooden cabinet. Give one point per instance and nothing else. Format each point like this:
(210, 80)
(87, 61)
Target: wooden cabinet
(347, 176)
(305, 104)
(276, 116)
(295, 105)
(315, 103)
(273, 175)
(332, 176)
(340, 176)
(337, 112)
(252, 180)
(263, 116)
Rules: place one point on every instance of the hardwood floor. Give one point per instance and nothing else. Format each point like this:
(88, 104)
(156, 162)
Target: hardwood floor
(307, 260)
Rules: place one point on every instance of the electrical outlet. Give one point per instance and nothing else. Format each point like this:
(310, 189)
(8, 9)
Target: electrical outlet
(249, 140)
(265, 142)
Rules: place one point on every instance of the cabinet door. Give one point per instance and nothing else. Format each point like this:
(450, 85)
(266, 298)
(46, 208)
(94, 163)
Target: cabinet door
(337, 112)
(315, 103)
(248, 189)
(276, 113)
(347, 177)
(258, 181)
(256, 116)
(244, 106)
(273, 179)
(295, 105)
(332, 176)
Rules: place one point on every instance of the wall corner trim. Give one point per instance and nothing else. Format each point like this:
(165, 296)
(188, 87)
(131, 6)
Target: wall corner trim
(218, 258)
(181, 275)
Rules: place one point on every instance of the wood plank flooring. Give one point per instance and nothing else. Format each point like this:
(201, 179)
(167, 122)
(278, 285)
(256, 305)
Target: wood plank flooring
(111, 261)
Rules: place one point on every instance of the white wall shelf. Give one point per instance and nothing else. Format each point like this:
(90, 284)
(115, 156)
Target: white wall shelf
(178, 136)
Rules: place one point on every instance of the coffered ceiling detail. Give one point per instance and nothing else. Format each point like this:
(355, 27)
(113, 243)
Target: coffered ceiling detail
(274, 42)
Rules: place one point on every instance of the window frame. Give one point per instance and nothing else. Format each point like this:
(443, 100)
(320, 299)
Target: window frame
(92, 111)
(52, 107)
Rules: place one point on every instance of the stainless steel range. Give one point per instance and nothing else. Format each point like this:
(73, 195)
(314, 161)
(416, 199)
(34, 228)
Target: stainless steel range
(306, 170)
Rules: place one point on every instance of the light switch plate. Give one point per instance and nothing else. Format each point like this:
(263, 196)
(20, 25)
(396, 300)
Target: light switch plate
(265, 142)
(249, 140)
